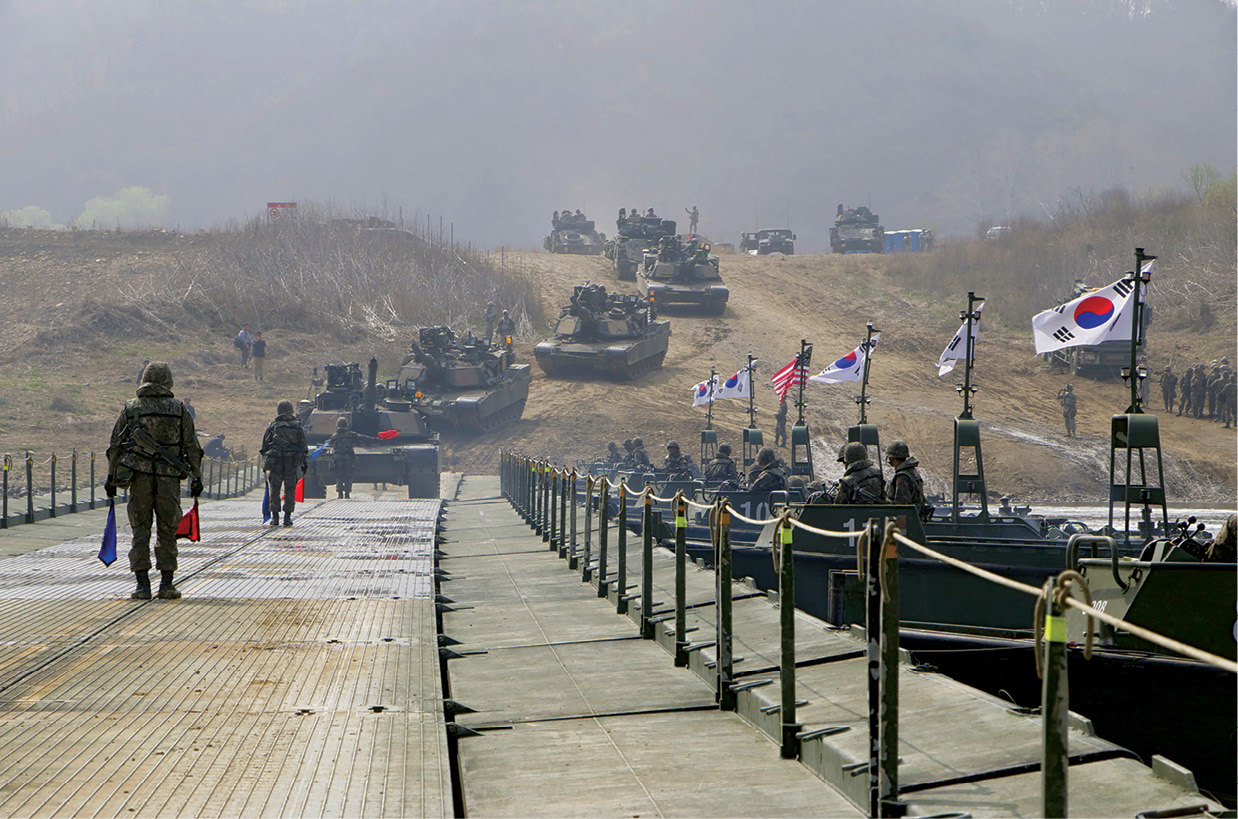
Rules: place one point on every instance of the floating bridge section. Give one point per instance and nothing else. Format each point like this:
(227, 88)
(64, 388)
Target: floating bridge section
(346, 667)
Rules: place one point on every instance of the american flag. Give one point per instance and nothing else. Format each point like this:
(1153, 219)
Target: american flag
(794, 373)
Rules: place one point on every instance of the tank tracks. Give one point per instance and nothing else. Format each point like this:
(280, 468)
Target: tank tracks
(627, 371)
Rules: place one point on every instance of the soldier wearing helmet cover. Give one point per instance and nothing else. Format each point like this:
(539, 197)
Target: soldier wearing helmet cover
(284, 458)
(862, 481)
(906, 485)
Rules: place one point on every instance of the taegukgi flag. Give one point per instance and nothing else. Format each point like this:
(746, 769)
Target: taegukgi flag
(850, 367)
(705, 392)
(957, 348)
(737, 386)
(1094, 317)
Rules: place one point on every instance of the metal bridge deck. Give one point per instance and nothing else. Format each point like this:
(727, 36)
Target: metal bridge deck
(298, 676)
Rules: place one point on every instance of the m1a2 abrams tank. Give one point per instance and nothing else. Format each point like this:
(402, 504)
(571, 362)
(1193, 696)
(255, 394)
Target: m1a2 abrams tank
(636, 235)
(573, 233)
(462, 383)
(409, 453)
(679, 272)
(856, 230)
(614, 333)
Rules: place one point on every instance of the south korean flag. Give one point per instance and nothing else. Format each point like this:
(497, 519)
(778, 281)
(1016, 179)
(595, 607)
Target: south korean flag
(957, 348)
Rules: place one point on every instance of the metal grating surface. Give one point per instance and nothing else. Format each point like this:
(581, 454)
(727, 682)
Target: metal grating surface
(298, 676)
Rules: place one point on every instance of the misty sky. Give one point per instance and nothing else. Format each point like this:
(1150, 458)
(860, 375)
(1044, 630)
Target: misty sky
(937, 113)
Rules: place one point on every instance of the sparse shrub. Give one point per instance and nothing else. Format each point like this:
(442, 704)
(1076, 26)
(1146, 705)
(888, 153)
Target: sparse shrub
(63, 403)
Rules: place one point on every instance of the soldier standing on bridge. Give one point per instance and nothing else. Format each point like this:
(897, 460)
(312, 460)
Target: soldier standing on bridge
(1070, 407)
(284, 460)
(906, 485)
(153, 448)
(694, 216)
(343, 446)
(861, 482)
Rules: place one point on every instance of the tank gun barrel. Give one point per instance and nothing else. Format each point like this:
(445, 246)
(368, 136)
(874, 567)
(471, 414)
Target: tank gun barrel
(370, 397)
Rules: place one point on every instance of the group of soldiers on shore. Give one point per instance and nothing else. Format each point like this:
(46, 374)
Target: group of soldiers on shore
(862, 481)
(1203, 391)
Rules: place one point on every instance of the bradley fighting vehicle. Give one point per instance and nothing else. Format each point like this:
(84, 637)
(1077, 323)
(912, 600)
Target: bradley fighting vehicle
(856, 230)
(764, 242)
(679, 272)
(408, 454)
(462, 383)
(574, 234)
(636, 235)
(613, 332)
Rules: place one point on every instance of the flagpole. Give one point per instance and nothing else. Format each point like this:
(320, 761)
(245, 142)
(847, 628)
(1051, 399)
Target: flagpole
(1139, 278)
(752, 408)
(868, 357)
(799, 363)
(709, 412)
(970, 317)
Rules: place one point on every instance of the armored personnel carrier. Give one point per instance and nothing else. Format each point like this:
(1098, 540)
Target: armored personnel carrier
(856, 230)
(765, 242)
(573, 233)
(463, 383)
(679, 272)
(636, 235)
(612, 332)
(409, 453)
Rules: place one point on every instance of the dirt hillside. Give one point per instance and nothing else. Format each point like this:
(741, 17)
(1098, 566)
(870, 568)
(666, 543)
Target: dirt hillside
(69, 355)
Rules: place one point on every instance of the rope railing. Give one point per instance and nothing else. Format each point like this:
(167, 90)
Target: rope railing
(1167, 643)
(545, 494)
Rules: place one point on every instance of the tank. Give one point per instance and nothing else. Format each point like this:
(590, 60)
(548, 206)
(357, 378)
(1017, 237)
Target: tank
(573, 233)
(611, 332)
(683, 272)
(636, 235)
(409, 453)
(462, 384)
(856, 230)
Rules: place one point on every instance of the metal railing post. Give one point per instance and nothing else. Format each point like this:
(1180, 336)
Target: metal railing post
(603, 536)
(888, 738)
(586, 569)
(73, 483)
(681, 580)
(29, 487)
(543, 499)
(621, 559)
(8, 465)
(646, 568)
(571, 543)
(548, 536)
(92, 479)
(790, 746)
(1054, 707)
(726, 659)
(51, 507)
(562, 537)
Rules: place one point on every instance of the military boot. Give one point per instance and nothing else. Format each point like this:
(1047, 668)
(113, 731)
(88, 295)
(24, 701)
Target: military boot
(275, 519)
(142, 592)
(287, 518)
(167, 591)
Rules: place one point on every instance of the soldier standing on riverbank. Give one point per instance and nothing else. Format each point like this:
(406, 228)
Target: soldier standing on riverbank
(1070, 407)
(1169, 386)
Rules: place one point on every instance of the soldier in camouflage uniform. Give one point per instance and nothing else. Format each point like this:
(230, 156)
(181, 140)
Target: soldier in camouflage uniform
(343, 446)
(769, 474)
(1199, 391)
(780, 424)
(862, 481)
(284, 458)
(1169, 386)
(1185, 391)
(153, 448)
(722, 467)
(906, 484)
(507, 329)
(1070, 407)
(613, 456)
(676, 464)
(639, 458)
(489, 315)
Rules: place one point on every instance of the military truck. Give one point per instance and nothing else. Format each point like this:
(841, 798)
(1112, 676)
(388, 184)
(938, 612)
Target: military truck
(767, 241)
(573, 233)
(408, 454)
(679, 272)
(637, 234)
(462, 383)
(856, 230)
(611, 332)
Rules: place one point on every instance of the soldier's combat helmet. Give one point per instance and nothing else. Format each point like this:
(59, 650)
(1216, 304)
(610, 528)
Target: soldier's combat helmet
(627, 443)
(899, 450)
(672, 445)
(638, 442)
(341, 423)
(765, 456)
(725, 449)
(283, 407)
(842, 449)
(854, 451)
(612, 445)
(158, 373)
